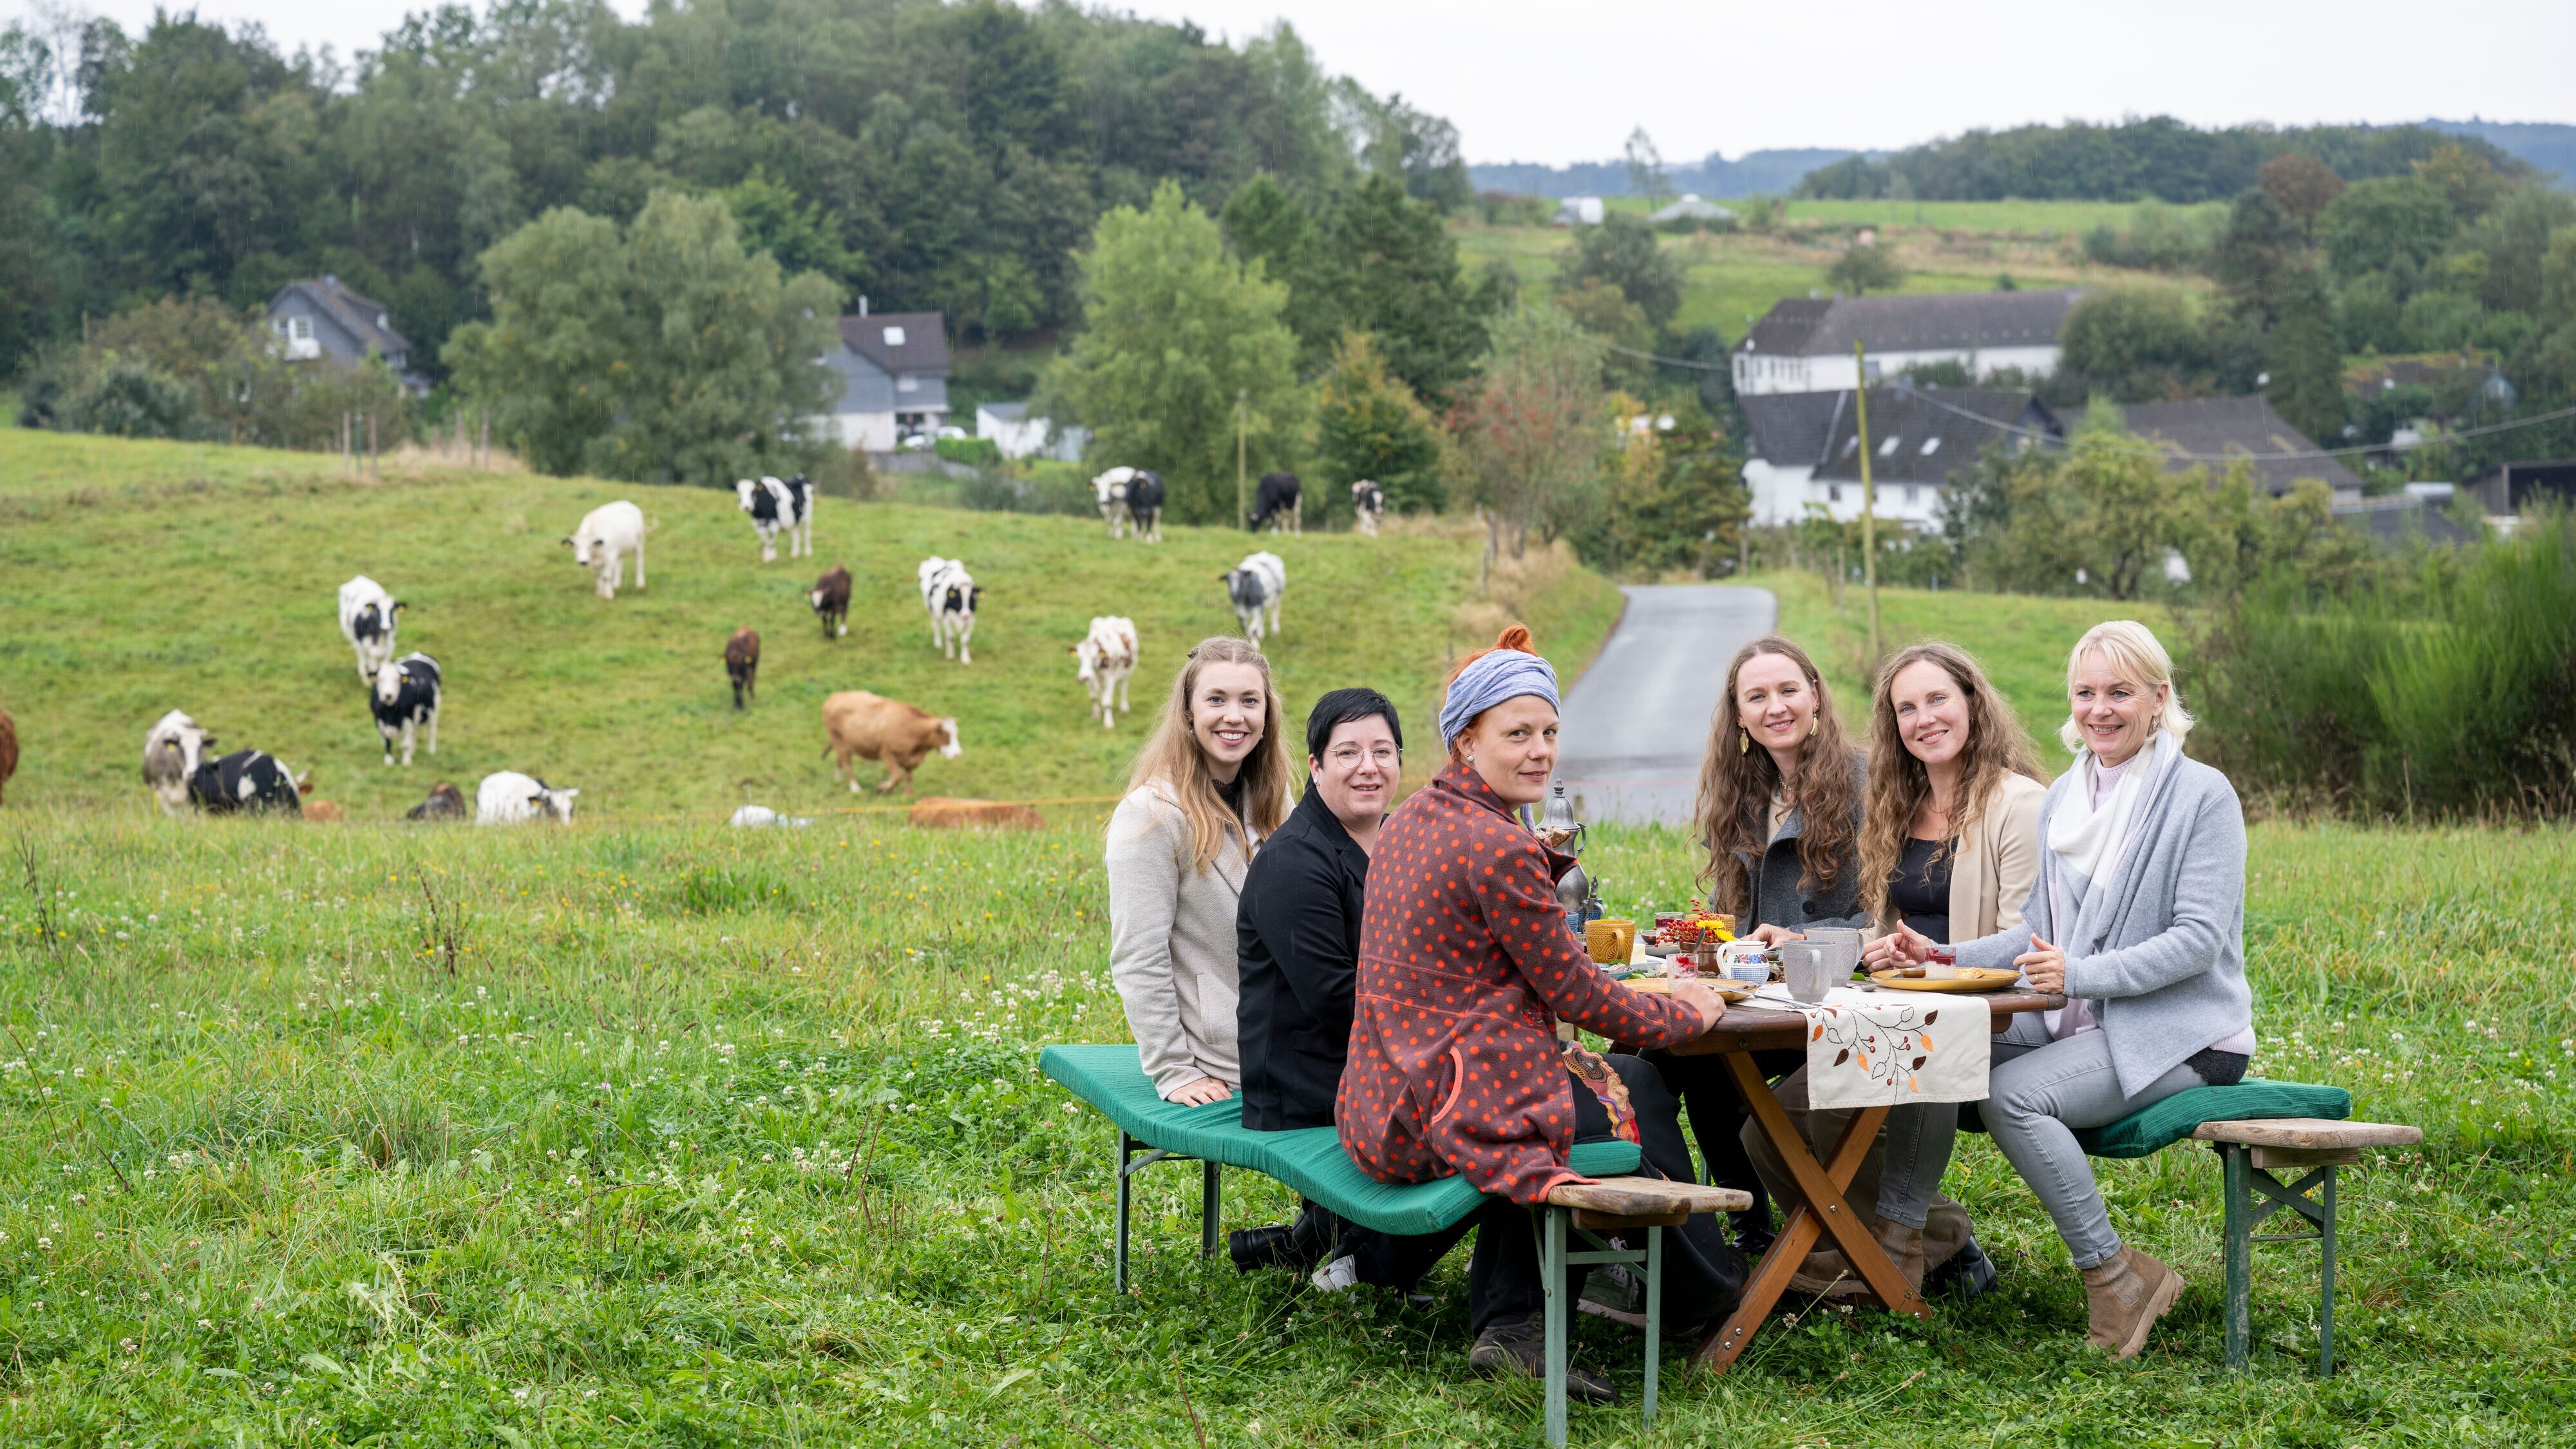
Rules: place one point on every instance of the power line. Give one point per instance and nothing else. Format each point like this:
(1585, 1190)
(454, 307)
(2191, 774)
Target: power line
(1927, 395)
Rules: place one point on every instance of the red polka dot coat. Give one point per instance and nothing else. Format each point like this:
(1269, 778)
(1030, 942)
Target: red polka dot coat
(1466, 966)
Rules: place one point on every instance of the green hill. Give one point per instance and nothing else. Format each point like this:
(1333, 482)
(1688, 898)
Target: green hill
(140, 577)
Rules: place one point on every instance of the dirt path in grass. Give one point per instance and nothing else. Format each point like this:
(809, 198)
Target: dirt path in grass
(1637, 721)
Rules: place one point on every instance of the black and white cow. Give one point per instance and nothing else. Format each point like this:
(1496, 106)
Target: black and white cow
(246, 780)
(367, 619)
(407, 696)
(1275, 504)
(1110, 489)
(173, 749)
(779, 506)
(830, 597)
(1145, 504)
(949, 593)
(1254, 585)
(1368, 505)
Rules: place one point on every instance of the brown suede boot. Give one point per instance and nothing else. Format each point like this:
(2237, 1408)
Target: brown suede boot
(2124, 1297)
(1904, 1248)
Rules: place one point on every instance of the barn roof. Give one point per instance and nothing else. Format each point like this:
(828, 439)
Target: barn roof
(2227, 426)
(915, 342)
(1813, 326)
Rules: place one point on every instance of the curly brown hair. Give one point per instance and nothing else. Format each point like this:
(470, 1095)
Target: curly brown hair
(1736, 784)
(1899, 784)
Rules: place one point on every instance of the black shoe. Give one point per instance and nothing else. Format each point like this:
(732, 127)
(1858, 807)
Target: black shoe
(1753, 1235)
(1253, 1248)
(1969, 1273)
(1519, 1350)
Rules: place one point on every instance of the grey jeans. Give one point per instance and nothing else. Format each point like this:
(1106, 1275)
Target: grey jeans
(2037, 1097)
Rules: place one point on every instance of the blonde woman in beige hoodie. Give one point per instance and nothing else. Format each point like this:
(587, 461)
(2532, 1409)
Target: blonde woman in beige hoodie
(1209, 786)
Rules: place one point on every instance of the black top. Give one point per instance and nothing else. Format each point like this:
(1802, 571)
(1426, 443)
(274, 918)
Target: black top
(1231, 792)
(1921, 891)
(1297, 945)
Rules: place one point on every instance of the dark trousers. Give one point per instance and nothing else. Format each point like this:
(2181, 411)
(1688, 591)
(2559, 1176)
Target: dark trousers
(1703, 1274)
(1717, 1114)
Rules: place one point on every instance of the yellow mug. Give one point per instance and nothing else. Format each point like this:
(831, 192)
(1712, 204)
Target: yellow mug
(1609, 942)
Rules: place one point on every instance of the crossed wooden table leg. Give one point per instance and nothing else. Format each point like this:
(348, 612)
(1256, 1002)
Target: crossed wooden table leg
(1822, 1211)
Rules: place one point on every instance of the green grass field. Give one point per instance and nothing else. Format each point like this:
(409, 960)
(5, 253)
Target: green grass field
(138, 577)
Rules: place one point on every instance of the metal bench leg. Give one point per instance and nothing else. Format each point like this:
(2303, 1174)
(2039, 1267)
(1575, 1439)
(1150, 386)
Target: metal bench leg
(1126, 1149)
(1551, 1269)
(1654, 1315)
(1207, 1209)
(2325, 1306)
(2237, 1168)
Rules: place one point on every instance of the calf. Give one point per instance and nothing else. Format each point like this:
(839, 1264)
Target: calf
(1111, 490)
(407, 696)
(742, 664)
(1275, 504)
(445, 802)
(608, 534)
(860, 725)
(1145, 504)
(172, 750)
(510, 798)
(1254, 585)
(830, 597)
(1103, 661)
(1368, 504)
(247, 780)
(8, 748)
(367, 622)
(949, 593)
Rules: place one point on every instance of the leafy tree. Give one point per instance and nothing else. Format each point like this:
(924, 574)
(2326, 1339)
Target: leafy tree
(2510, 239)
(1864, 268)
(2097, 518)
(1622, 252)
(1606, 313)
(2393, 224)
(2466, 179)
(2300, 184)
(1370, 425)
(1173, 330)
(1646, 176)
(2306, 363)
(2261, 249)
(794, 231)
(1530, 429)
(1392, 269)
(2142, 342)
(1676, 497)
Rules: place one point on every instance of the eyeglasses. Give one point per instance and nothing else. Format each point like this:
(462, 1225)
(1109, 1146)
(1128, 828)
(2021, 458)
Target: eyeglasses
(1347, 757)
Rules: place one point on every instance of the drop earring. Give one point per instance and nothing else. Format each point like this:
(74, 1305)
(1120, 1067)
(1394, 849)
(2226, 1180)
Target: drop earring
(1744, 742)
(1813, 721)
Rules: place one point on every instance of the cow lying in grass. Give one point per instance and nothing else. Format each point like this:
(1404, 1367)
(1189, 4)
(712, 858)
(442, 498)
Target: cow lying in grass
(445, 802)
(248, 781)
(510, 798)
(1103, 661)
(864, 726)
(172, 750)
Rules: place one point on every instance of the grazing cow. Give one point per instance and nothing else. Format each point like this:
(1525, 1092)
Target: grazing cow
(1111, 489)
(860, 725)
(247, 780)
(1368, 503)
(799, 493)
(779, 506)
(830, 597)
(172, 750)
(510, 798)
(1145, 504)
(445, 802)
(742, 664)
(367, 622)
(1275, 504)
(1254, 585)
(949, 593)
(1103, 661)
(609, 533)
(407, 696)
(8, 748)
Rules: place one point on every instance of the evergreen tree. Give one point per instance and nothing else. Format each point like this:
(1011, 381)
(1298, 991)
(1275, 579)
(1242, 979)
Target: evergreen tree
(2306, 362)
(1369, 425)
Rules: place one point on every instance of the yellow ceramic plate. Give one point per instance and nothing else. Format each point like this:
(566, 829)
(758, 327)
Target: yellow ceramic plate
(1970, 978)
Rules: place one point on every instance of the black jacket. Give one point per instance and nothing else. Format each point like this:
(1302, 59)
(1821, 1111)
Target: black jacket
(1781, 898)
(1297, 945)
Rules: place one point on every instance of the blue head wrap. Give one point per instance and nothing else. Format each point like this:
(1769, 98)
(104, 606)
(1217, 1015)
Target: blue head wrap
(1488, 681)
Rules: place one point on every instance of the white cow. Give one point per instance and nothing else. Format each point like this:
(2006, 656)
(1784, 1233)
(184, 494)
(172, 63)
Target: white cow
(172, 751)
(1111, 489)
(367, 619)
(610, 532)
(949, 593)
(510, 798)
(1103, 661)
(1254, 585)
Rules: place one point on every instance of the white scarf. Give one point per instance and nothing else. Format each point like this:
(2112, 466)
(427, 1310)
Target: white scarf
(2088, 844)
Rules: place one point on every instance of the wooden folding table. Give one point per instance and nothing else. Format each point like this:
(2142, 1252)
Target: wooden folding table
(1821, 1210)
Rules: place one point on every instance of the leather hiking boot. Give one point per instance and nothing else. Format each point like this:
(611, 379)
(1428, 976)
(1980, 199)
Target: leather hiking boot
(1519, 1350)
(2124, 1297)
(1904, 1248)
(1827, 1273)
(1252, 1248)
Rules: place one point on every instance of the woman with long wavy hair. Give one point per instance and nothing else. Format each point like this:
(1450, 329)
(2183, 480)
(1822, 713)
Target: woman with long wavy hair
(1780, 812)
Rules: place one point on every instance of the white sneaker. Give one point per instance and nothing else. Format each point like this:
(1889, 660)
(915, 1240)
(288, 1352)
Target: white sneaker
(1339, 1274)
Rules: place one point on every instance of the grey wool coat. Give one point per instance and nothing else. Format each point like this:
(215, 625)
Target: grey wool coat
(1780, 897)
(2162, 955)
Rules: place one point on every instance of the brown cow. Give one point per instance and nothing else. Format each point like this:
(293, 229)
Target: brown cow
(830, 597)
(8, 748)
(742, 664)
(872, 727)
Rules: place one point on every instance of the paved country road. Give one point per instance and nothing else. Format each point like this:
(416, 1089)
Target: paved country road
(1637, 721)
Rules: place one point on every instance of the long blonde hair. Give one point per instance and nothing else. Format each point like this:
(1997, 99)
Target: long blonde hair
(2132, 649)
(1899, 783)
(1174, 760)
(1736, 785)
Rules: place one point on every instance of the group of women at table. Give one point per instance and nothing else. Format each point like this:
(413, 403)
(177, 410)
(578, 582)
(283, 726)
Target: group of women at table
(1401, 974)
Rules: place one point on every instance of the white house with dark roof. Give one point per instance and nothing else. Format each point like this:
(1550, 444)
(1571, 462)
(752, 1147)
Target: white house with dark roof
(1805, 448)
(893, 368)
(321, 318)
(1804, 344)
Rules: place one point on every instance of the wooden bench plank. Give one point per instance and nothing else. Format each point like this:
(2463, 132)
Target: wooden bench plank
(1647, 1197)
(2310, 1132)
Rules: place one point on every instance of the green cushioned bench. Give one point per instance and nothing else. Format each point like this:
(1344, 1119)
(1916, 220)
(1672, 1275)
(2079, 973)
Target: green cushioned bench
(1311, 1162)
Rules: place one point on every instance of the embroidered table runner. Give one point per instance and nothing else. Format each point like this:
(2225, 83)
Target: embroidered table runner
(1888, 1048)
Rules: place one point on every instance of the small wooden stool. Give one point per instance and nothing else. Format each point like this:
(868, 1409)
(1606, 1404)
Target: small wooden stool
(2248, 1151)
(1615, 1204)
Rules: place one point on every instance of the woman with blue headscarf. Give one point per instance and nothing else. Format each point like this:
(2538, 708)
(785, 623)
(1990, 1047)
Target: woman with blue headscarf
(1466, 966)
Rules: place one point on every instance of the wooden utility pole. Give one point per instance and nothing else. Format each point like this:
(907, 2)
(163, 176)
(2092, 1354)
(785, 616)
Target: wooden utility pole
(1242, 433)
(1868, 501)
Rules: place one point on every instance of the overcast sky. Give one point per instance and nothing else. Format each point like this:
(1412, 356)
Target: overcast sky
(1558, 81)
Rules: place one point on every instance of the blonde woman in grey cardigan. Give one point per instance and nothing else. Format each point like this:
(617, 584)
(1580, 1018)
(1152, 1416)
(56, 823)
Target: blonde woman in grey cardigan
(1207, 788)
(2139, 919)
